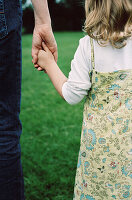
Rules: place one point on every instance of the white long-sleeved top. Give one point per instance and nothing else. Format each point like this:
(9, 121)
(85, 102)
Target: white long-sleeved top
(107, 59)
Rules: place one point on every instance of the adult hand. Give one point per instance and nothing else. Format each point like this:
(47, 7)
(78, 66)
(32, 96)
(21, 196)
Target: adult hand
(43, 33)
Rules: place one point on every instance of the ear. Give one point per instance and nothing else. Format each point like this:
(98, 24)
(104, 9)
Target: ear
(45, 47)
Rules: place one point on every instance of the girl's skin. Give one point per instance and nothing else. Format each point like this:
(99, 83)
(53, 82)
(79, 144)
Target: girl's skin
(47, 62)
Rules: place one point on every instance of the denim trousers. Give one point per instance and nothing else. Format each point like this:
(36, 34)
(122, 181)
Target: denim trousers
(11, 174)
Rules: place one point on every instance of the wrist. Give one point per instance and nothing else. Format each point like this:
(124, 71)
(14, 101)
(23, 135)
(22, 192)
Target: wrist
(43, 28)
(41, 20)
(50, 66)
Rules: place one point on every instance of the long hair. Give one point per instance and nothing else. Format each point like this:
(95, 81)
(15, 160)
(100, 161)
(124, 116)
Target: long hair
(109, 21)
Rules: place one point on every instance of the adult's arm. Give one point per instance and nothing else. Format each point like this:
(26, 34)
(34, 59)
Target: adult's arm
(42, 30)
(41, 12)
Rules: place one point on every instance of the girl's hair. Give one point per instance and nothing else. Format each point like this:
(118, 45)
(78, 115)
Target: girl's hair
(109, 21)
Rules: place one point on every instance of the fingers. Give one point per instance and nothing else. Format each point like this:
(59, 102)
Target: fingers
(36, 45)
(40, 69)
(35, 55)
(45, 47)
(40, 55)
(36, 65)
(35, 59)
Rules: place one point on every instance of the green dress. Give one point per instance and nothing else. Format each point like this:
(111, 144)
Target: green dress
(104, 169)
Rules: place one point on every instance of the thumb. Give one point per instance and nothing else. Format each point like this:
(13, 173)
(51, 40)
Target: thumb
(45, 47)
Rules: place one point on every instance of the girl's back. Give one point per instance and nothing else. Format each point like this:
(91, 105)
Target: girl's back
(104, 168)
(108, 59)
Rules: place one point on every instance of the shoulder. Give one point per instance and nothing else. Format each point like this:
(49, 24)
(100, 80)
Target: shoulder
(84, 48)
(82, 56)
(85, 41)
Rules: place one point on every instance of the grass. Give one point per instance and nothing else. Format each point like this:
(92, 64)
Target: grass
(51, 128)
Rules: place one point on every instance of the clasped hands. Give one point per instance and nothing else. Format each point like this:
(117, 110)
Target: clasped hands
(45, 58)
(44, 47)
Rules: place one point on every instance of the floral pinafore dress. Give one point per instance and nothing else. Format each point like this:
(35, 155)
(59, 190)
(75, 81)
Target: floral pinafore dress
(104, 169)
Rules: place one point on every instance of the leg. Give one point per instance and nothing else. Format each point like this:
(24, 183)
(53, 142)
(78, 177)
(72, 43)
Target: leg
(11, 177)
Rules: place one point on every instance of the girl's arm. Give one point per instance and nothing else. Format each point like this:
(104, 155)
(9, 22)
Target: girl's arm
(47, 62)
(78, 83)
(57, 77)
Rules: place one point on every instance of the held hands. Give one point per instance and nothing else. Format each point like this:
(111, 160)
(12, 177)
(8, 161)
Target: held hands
(43, 33)
(45, 58)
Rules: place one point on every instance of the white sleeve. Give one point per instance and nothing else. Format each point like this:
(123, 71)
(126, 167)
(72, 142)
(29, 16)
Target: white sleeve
(78, 82)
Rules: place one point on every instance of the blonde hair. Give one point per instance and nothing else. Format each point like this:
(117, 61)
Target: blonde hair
(109, 21)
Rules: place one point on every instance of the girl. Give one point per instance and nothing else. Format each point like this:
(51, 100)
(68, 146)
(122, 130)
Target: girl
(102, 71)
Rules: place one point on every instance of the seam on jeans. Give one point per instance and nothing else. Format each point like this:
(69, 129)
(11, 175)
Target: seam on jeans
(19, 73)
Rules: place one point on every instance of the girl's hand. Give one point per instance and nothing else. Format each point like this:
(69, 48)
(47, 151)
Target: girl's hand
(45, 57)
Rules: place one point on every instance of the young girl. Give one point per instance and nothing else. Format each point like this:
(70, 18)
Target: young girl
(102, 71)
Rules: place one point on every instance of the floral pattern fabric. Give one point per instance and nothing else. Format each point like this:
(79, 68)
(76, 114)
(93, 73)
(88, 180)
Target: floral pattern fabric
(104, 169)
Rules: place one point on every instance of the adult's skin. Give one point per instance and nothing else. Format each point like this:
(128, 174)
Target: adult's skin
(43, 30)
(11, 175)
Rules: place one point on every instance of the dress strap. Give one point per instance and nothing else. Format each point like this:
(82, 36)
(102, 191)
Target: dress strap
(92, 54)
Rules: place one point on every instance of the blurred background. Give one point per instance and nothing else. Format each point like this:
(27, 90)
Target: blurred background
(51, 128)
(65, 14)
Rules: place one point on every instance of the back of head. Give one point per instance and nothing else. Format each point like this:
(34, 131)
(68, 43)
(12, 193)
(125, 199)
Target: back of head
(109, 21)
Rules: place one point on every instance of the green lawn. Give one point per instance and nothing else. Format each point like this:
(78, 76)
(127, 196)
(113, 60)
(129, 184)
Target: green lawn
(51, 128)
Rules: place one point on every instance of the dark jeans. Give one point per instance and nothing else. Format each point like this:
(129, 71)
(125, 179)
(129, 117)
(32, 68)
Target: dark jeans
(11, 176)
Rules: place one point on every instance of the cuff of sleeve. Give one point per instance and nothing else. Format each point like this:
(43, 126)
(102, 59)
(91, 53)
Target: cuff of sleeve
(66, 95)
